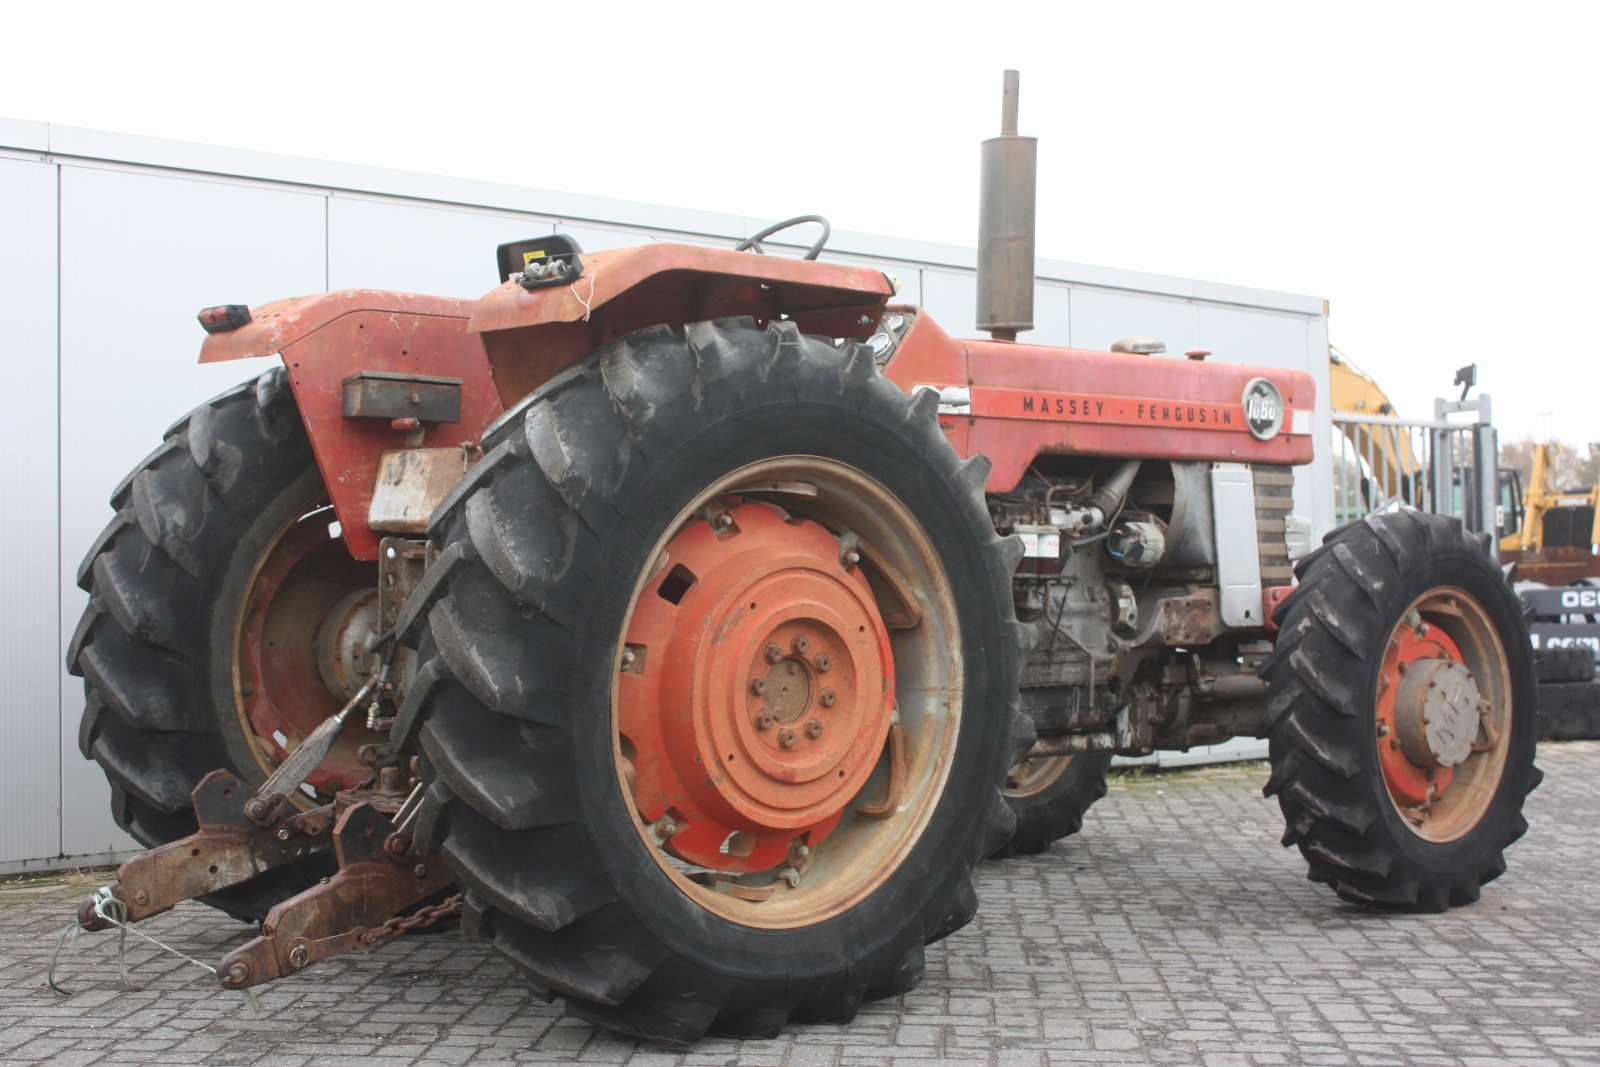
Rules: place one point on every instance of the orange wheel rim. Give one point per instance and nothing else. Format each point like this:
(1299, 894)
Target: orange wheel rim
(1032, 775)
(788, 692)
(775, 693)
(280, 695)
(1443, 714)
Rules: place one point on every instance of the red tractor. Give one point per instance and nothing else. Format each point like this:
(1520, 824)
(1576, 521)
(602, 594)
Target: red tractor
(693, 621)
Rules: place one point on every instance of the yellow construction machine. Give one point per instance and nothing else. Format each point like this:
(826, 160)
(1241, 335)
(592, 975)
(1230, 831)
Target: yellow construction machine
(1556, 532)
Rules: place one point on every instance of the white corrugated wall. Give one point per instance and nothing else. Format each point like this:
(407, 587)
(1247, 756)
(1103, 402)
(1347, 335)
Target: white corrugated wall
(110, 244)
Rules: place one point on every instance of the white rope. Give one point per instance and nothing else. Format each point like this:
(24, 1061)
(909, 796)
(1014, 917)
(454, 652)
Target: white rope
(115, 912)
(581, 300)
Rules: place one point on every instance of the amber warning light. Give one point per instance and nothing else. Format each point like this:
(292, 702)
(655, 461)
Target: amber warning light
(224, 318)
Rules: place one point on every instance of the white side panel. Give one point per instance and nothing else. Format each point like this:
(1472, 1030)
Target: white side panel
(1313, 484)
(140, 254)
(1052, 316)
(1102, 317)
(910, 278)
(1233, 511)
(413, 248)
(30, 649)
(593, 238)
(952, 299)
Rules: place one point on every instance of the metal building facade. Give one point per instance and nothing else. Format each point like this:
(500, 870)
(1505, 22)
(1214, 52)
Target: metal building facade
(110, 243)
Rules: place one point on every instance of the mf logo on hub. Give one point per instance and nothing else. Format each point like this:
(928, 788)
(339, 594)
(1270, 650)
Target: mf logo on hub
(1263, 408)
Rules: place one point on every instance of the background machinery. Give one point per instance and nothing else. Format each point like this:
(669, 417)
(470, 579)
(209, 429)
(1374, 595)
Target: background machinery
(1547, 535)
(692, 621)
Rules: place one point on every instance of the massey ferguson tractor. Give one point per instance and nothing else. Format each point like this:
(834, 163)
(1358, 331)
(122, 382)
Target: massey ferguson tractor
(693, 621)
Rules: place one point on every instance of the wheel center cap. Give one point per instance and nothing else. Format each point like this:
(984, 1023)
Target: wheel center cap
(1437, 710)
(787, 691)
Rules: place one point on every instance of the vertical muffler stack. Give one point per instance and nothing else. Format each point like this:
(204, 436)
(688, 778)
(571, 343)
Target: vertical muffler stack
(1005, 225)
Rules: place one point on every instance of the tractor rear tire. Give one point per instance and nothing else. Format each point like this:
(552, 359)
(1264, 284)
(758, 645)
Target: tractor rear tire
(1359, 752)
(1048, 811)
(535, 792)
(165, 580)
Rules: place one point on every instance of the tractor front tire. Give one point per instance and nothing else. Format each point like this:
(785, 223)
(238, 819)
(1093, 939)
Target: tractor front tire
(1049, 797)
(635, 825)
(1404, 714)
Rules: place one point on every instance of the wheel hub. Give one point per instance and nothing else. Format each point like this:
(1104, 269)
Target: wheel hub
(759, 691)
(341, 646)
(1443, 710)
(299, 651)
(1437, 710)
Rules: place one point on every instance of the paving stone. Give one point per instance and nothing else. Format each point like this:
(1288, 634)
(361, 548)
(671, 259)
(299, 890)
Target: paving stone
(1172, 930)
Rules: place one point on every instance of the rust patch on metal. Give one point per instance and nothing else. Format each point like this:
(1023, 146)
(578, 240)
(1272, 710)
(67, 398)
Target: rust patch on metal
(227, 849)
(410, 484)
(338, 915)
(1189, 620)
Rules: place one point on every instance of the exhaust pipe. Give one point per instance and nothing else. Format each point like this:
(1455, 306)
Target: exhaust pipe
(1008, 178)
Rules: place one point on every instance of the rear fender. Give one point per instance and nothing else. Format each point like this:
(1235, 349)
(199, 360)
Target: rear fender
(326, 338)
(530, 334)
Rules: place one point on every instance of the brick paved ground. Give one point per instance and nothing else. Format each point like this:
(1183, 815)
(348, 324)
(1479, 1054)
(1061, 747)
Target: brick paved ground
(1173, 930)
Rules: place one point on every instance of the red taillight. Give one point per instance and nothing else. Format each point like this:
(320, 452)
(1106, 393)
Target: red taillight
(224, 318)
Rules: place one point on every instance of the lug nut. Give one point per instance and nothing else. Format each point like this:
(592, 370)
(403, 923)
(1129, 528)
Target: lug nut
(785, 738)
(764, 721)
(758, 686)
(813, 729)
(799, 644)
(826, 698)
(773, 653)
(823, 663)
(627, 658)
(665, 826)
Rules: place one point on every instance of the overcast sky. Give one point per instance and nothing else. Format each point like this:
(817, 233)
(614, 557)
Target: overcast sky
(1427, 168)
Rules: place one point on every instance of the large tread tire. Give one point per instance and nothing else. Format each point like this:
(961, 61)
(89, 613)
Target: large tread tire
(1323, 676)
(1569, 711)
(1572, 663)
(519, 620)
(1057, 811)
(155, 644)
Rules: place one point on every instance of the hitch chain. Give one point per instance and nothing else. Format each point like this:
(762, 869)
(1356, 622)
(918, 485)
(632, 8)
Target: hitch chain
(420, 920)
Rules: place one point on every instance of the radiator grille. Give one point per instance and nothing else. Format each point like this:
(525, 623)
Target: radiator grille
(1274, 502)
